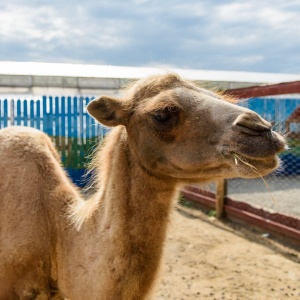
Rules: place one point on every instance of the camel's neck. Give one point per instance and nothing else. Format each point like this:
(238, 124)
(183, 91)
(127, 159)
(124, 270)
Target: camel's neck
(134, 214)
(131, 220)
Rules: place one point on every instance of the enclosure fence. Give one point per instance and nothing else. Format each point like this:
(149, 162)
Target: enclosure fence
(75, 133)
(65, 120)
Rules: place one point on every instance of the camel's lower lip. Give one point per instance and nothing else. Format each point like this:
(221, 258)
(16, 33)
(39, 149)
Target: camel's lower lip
(259, 166)
(248, 157)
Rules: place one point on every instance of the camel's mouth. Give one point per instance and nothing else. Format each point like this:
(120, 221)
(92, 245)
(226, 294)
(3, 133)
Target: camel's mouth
(256, 156)
(250, 167)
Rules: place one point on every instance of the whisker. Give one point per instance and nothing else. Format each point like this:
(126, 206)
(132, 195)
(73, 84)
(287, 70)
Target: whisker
(254, 169)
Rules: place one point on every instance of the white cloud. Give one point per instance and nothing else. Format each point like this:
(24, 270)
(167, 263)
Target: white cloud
(248, 59)
(21, 23)
(191, 9)
(233, 12)
(46, 24)
(257, 13)
(232, 39)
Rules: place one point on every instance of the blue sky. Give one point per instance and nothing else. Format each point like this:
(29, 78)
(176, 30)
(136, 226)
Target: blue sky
(253, 35)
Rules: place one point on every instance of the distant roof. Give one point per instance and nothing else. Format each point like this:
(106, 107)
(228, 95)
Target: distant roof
(107, 71)
(295, 116)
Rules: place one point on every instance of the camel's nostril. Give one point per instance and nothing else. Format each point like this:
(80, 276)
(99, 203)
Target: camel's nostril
(248, 130)
(251, 124)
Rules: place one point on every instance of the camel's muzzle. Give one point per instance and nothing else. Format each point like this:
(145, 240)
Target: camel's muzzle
(254, 138)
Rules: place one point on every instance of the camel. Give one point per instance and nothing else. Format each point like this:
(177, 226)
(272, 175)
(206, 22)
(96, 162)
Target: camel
(167, 132)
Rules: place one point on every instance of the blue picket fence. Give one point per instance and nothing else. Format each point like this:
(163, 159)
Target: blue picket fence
(64, 119)
(57, 116)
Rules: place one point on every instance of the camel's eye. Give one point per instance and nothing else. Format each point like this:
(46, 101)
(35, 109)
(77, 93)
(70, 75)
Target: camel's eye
(162, 115)
(166, 118)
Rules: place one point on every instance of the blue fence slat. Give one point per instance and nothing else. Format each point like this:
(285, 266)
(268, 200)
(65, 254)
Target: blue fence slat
(32, 117)
(50, 115)
(63, 116)
(69, 116)
(5, 112)
(80, 117)
(38, 115)
(18, 116)
(63, 128)
(57, 117)
(88, 122)
(80, 127)
(45, 115)
(25, 113)
(75, 116)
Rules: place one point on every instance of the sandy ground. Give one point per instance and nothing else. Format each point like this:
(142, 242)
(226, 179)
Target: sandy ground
(209, 259)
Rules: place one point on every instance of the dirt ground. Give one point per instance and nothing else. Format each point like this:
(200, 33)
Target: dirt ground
(209, 259)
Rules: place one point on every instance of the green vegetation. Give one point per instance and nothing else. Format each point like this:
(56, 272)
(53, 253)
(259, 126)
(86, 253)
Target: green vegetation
(185, 202)
(75, 153)
(294, 145)
(212, 213)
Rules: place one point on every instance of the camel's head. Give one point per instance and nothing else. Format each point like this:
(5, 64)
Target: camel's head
(179, 130)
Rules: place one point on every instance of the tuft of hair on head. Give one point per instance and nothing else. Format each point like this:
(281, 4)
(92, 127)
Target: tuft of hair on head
(227, 97)
(150, 86)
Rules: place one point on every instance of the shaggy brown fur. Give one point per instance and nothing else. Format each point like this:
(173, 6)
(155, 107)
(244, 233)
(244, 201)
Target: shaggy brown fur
(167, 132)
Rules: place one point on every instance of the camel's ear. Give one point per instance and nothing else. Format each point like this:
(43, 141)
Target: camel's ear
(108, 111)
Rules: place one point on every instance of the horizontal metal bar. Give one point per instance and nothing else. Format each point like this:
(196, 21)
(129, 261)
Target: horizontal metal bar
(266, 90)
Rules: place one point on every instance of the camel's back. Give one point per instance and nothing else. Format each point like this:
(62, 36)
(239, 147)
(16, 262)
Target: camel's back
(28, 162)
